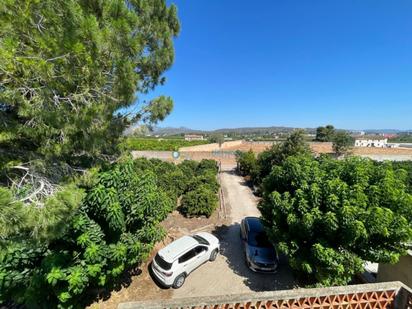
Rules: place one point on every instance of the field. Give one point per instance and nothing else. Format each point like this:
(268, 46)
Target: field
(133, 143)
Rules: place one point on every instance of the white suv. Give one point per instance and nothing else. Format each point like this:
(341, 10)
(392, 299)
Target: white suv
(176, 261)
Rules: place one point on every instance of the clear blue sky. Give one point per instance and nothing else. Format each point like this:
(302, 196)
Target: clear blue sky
(292, 63)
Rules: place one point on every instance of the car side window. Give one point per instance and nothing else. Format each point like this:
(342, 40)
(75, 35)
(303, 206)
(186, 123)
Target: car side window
(200, 249)
(187, 256)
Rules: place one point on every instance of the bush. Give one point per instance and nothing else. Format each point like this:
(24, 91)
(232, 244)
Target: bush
(200, 202)
(247, 164)
(207, 165)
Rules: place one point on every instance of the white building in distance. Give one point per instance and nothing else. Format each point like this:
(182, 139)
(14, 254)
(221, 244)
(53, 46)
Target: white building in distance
(194, 137)
(371, 141)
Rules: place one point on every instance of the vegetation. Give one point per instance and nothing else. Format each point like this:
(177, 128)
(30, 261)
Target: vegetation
(325, 134)
(405, 166)
(61, 258)
(247, 164)
(261, 167)
(133, 143)
(330, 216)
(342, 142)
(111, 231)
(402, 138)
(200, 202)
(217, 138)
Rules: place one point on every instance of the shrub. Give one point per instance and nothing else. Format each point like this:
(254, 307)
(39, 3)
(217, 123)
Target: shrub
(200, 202)
(247, 164)
(207, 165)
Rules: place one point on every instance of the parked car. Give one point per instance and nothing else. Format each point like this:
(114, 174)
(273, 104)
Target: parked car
(259, 251)
(176, 261)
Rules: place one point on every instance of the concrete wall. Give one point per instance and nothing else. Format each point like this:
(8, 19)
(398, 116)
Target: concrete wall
(401, 271)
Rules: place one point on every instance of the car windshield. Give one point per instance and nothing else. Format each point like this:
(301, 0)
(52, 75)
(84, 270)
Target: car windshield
(259, 240)
(162, 263)
(201, 240)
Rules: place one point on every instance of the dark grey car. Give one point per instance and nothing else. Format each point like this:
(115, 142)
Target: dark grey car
(259, 251)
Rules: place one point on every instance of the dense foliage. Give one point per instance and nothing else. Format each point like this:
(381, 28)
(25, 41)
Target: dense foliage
(342, 142)
(330, 216)
(199, 202)
(406, 166)
(200, 197)
(325, 134)
(247, 164)
(112, 230)
(258, 168)
(402, 138)
(134, 143)
(68, 66)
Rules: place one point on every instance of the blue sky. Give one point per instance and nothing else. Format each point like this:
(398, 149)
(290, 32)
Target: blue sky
(292, 63)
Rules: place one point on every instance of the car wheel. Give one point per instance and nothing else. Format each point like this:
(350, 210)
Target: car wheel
(213, 255)
(179, 281)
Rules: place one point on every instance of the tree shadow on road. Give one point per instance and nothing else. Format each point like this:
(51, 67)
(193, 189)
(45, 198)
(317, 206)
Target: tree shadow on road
(232, 249)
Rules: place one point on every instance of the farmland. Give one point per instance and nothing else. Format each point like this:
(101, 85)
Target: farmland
(134, 143)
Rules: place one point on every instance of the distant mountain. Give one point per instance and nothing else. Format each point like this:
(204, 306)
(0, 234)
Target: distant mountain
(385, 131)
(174, 131)
(257, 130)
(241, 131)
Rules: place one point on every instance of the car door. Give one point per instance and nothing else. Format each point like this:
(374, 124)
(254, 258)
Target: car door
(186, 261)
(201, 256)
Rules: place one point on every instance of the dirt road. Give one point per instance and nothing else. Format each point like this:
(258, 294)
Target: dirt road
(229, 273)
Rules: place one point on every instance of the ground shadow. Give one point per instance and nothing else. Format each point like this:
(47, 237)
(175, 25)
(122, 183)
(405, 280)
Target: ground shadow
(232, 250)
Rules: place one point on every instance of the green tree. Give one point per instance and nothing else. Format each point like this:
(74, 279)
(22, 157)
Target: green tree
(294, 144)
(247, 163)
(325, 134)
(330, 216)
(342, 142)
(217, 138)
(67, 68)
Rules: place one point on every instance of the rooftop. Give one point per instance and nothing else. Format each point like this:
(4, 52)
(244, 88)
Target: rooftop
(175, 248)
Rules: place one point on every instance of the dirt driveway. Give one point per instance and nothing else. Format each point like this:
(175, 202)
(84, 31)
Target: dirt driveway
(229, 273)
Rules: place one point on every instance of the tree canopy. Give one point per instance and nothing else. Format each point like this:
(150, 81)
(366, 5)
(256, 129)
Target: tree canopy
(68, 67)
(325, 134)
(330, 216)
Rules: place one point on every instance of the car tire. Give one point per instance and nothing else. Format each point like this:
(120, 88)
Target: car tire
(179, 281)
(213, 255)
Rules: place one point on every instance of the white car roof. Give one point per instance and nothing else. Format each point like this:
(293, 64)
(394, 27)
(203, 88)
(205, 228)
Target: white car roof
(177, 247)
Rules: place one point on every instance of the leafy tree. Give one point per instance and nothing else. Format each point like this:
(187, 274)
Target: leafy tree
(217, 138)
(67, 67)
(342, 142)
(294, 144)
(247, 163)
(325, 134)
(330, 216)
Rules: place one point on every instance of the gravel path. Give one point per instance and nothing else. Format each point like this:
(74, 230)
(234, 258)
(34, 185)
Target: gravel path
(229, 273)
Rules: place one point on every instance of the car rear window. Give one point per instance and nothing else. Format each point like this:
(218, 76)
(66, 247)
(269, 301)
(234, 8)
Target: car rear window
(259, 240)
(162, 263)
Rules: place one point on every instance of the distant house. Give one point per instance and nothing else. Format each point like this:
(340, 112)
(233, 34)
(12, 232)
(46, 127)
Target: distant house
(194, 137)
(371, 141)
